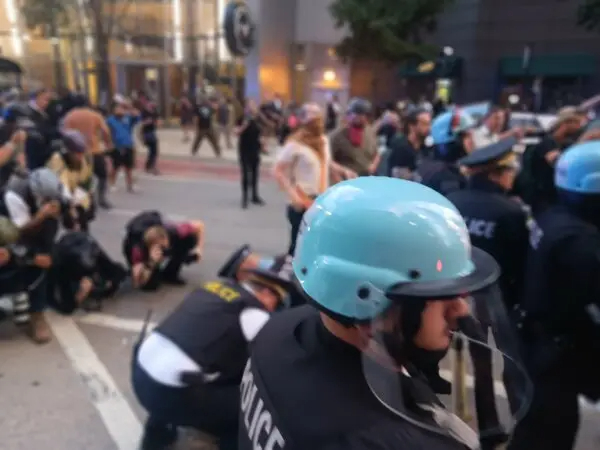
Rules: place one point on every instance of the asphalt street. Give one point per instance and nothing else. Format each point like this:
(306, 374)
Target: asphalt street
(74, 393)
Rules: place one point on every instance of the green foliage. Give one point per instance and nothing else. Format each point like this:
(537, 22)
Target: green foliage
(389, 30)
(46, 15)
(588, 15)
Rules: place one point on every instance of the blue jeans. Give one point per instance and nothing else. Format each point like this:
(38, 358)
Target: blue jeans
(295, 219)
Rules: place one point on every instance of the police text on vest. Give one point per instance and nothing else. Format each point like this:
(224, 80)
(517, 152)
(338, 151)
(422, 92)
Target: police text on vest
(481, 228)
(258, 421)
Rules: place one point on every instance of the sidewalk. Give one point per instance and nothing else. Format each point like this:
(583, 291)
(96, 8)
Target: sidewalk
(172, 147)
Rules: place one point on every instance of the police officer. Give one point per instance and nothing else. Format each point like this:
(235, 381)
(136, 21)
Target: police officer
(243, 259)
(186, 373)
(496, 222)
(451, 133)
(560, 325)
(340, 373)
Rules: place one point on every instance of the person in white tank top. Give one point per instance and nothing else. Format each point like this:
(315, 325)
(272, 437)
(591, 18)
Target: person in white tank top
(304, 166)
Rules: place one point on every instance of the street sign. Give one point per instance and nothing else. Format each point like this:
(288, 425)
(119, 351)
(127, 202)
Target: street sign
(239, 28)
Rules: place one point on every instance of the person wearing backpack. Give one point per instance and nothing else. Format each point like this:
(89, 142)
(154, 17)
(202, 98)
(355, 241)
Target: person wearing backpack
(156, 250)
(82, 274)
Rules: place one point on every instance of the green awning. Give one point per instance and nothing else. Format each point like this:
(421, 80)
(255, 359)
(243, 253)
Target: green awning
(571, 65)
(449, 67)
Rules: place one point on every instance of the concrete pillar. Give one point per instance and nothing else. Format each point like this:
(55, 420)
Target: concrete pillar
(268, 65)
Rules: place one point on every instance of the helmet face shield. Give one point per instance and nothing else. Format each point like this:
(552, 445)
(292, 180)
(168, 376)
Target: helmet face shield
(466, 340)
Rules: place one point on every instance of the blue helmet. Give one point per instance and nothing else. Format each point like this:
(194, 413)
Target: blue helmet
(578, 169)
(368, 241)
(446, 127)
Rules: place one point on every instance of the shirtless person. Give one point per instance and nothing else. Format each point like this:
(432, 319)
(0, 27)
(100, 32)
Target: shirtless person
(92, 125)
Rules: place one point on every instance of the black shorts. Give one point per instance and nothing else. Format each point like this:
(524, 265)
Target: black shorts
(123, 157)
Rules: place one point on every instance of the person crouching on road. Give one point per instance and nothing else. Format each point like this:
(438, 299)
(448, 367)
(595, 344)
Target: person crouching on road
(156, 251)
(187, 372)
(76, 176)
(34, 204)
(15, 263)
(82, 273)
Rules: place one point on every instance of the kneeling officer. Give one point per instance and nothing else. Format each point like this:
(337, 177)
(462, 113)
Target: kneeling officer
(344, 373)
(186, 373)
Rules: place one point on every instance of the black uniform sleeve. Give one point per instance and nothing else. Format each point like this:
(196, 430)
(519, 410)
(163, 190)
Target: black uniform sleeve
(545, 146)
(581, 261)
(516, 240)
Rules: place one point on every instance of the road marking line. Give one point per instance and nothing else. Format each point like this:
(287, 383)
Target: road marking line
(119, 419)
(114, 322)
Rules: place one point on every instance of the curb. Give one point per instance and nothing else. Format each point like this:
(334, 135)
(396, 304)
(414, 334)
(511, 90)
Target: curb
(183, 165)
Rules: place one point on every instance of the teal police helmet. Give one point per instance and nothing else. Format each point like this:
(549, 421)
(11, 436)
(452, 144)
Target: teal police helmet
(447, 126)
(368, 242)
(578, 169)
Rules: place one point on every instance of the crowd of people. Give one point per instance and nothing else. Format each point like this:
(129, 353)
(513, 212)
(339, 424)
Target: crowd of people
(338, 342)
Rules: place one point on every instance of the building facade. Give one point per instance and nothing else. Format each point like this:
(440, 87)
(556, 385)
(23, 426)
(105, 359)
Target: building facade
(294, 54)
(534, 46)
(160, 46)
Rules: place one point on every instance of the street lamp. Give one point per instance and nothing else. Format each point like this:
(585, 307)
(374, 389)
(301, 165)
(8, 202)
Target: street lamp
(448, 51)
(329, 76)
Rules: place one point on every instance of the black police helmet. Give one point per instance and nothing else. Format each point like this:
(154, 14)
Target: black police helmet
(232, 265)
(279, 273)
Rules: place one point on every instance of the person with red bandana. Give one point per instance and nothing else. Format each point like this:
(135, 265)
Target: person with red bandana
(354, 145)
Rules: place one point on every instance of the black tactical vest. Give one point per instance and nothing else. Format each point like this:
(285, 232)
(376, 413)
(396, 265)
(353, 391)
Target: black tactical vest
(299, 392)
(206, 326)
(549, 295)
